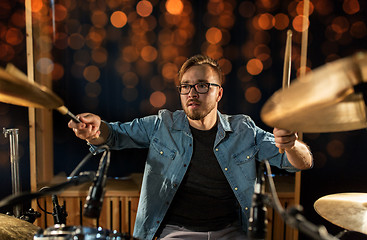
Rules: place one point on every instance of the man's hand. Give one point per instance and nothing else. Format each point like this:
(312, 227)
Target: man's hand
(88, 129)
(285, 139)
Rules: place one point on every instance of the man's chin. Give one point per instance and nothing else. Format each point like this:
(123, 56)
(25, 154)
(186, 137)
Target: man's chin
(194, 115)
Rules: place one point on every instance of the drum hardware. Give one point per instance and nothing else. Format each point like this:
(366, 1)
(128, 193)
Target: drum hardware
(30, 215)
(59, 212)
(94, 201)
(60, 231)
(293, 215)
(28, 196)
(14, 161)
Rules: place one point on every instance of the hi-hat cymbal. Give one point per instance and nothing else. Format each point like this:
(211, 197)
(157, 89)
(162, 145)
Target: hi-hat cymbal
(18, 91)
(346, 210)
(324, 100)
(12, 228)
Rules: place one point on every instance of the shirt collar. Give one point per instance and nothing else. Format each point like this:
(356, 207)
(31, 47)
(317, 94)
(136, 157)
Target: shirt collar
(180, 121)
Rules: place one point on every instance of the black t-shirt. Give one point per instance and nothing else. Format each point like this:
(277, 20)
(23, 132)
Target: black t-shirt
(204, 200)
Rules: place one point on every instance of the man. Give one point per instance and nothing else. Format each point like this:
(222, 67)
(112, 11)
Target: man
(200, 170)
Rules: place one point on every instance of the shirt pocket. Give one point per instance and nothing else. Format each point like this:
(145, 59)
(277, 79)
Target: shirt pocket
(160, 156)
(246, 161)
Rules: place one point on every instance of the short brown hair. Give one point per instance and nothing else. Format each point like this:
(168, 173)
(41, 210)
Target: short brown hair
(198, 60)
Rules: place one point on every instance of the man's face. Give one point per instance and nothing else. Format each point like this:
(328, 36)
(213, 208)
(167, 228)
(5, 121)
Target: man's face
(196, 105)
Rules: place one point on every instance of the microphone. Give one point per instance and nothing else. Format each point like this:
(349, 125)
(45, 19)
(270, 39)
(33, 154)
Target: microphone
(94, 201)
(59, 212)
(257, 222)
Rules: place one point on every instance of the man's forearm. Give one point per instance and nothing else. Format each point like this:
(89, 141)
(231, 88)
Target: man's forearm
(300, 156)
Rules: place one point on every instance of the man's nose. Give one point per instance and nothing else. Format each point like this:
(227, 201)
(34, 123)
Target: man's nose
(193, 92)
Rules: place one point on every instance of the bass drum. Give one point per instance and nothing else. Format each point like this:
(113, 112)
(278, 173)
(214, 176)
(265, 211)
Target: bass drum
(63, 232)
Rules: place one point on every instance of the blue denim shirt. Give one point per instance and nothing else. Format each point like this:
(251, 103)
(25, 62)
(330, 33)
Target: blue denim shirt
(170, 143)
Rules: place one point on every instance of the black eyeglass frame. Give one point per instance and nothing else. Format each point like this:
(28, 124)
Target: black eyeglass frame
(195, 87)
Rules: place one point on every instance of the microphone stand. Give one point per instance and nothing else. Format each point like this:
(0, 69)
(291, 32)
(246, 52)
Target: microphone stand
(258, 222)
(94, 200)
(293, 217)
(28, 196)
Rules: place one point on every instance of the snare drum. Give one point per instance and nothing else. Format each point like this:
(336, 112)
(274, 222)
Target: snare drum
(62, 232)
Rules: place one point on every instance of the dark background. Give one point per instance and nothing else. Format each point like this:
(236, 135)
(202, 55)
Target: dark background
(340, 158)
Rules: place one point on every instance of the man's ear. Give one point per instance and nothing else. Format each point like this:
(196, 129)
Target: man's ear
(220, 94)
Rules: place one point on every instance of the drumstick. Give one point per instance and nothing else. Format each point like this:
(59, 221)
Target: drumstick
(287, 65)
(304, 42)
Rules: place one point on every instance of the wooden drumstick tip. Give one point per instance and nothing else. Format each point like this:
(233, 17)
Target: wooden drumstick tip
(64, 111)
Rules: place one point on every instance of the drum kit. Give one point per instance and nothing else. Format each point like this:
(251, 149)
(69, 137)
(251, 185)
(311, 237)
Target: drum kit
(331, 98)
(16, 89)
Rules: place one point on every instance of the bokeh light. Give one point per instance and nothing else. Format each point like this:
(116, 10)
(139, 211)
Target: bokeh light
(91, 73)
(254, 66)
(14, 36)
(213, 35)
(265, 21)
(298, 23)
(351, 6)
(144, 8)
(157, 99)
(118, 19)
(252, 94)
(45, 65)
(149, 53)
(280, 21)
(174, 7)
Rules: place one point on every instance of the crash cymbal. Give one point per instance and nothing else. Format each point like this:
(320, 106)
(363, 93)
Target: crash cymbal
(324, 100)
(12, 228)
(346, 210)
(18, 91)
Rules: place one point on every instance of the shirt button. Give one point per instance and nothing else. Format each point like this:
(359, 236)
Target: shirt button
(216, 149)
(235, 189)
(225, 169)
(184, 165)
(175, 185)
(246, 208)
(161, 152)
(248, 157)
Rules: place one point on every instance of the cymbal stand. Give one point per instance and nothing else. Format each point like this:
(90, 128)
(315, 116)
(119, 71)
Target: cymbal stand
(293, 217)
(14, 161)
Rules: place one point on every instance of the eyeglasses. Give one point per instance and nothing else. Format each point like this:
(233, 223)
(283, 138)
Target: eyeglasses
(200, 87)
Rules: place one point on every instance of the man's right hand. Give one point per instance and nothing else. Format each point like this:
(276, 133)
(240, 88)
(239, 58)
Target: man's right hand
(88, 129)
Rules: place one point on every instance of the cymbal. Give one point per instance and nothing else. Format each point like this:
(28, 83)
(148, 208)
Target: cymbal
(324, 100)
(12, 228)
(346, 210)
(15, 89)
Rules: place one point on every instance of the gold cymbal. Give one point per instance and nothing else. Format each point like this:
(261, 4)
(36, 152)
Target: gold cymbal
(18, 91)
(324, 100)
(12, 228)
(346, 210)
